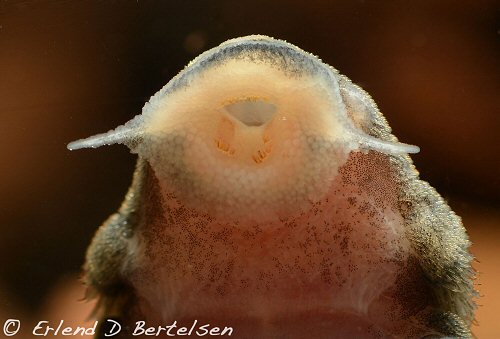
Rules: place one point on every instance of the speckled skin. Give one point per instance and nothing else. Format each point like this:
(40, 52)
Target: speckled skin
(378, 255)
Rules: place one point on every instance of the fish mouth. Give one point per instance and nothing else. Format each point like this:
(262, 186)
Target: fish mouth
(252, 111)
(248, 129)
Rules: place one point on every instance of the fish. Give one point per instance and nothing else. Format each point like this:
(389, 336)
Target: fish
(271, 198)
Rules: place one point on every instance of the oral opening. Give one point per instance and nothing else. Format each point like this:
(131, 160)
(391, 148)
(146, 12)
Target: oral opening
(245, 132)
(252, 112)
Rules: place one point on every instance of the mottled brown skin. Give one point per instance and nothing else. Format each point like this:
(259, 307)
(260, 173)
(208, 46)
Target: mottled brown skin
(438, 280)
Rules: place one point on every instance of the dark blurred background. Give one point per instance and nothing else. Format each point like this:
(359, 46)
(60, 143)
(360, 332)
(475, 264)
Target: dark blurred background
(70, 69)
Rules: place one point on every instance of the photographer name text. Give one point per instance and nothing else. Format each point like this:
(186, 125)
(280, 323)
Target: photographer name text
(111, 328)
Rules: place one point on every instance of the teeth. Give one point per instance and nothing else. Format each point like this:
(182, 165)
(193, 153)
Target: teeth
(237, 130)
(262, 154)
(224, 147)
(256, 159)
(225, 136)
